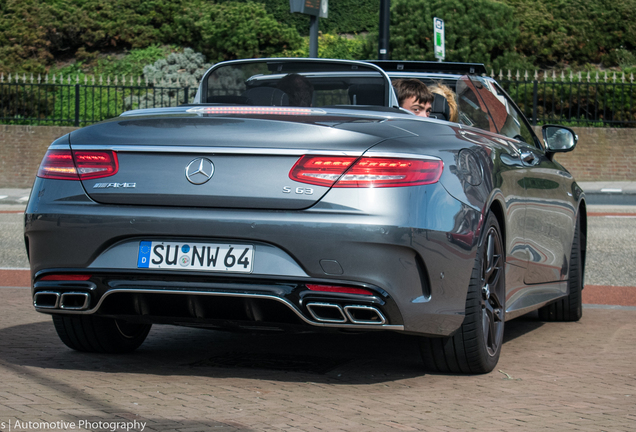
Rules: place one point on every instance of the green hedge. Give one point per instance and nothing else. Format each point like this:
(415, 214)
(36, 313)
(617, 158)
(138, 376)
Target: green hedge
(232, 30)
(345, 16)
(36, 34)
(476, 31)
(562, 32)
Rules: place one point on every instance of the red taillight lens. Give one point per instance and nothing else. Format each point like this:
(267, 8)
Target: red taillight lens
(366, 172)
(58, 164)
(95, 164)
(338, 289)
(320, 170)
(66, 277)
(78, 165)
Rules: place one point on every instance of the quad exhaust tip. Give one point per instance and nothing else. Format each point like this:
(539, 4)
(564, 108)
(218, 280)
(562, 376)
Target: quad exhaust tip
(364, 315)
(327, 312)
(75, 301)
(46, 300)
(354, 314)
(67, 301)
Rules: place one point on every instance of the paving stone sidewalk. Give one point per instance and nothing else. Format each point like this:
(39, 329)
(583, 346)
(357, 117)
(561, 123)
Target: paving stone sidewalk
(551, 376)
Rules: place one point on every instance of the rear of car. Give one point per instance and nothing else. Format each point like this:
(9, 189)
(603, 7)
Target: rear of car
(228, 215)
(292, 194)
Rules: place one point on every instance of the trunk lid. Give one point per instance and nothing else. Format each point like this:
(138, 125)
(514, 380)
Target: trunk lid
(166, 159)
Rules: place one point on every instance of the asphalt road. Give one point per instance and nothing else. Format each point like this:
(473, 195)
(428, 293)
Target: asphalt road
(12, 250)
(611, 246)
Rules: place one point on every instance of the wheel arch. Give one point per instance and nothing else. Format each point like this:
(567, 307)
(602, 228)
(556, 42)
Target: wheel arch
(497, 208)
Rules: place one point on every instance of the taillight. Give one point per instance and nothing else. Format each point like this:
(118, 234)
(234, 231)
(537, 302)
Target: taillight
(78, 165)
(320, 170)
(338, 289)
(66, 277)
(345, 172)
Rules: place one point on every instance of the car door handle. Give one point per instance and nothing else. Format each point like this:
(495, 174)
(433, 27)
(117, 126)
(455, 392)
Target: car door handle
(528, 158)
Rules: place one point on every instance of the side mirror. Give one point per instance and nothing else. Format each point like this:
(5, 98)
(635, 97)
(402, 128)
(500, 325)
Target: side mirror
(559, 138)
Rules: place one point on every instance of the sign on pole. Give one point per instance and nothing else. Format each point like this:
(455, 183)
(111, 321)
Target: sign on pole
(438, 38)
(318, 8)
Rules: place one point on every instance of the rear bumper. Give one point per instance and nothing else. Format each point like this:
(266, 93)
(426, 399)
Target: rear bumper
(196, 300)
(405, 256)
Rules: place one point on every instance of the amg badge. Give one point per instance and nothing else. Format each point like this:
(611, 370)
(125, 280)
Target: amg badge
(114, 185)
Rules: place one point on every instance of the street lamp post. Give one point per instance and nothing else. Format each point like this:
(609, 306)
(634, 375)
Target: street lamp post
(385, 20)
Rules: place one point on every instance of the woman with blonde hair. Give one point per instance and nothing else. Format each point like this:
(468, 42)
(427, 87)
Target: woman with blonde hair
(444, 90)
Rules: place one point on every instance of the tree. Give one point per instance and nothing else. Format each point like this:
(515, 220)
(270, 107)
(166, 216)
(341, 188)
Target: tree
(561, 32)
(476, 31)
(233, 30)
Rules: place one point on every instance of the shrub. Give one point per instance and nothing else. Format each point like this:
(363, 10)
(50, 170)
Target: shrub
(560, 32)
(187, 67)
(345, 16)
(178, 70)
(476, 31)
(35, 32)
(233, 30)
(333, 46)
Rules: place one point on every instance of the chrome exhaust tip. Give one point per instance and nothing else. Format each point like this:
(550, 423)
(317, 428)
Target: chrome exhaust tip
(75, 301)
(364, 315)
(46, 300)
(327, 312)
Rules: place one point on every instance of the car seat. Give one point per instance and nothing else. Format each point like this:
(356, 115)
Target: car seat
(366, 94)
(440, 109)
(267, 96)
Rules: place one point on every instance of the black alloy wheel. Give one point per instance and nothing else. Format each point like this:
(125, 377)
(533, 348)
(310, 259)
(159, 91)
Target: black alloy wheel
(476, 346)
(492, 294)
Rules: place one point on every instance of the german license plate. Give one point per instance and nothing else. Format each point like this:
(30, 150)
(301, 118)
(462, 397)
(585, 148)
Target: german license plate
(195, 256)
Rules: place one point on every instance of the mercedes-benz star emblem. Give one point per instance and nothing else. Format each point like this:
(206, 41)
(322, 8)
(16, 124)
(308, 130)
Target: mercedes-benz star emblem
(199, 171)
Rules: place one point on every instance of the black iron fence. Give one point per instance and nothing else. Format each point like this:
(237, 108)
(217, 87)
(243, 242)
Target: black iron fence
(68, 104)
(81, 104)
(575, 103)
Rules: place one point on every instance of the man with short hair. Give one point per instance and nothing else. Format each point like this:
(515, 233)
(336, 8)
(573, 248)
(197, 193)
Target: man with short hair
(298, 88)
(413, 95)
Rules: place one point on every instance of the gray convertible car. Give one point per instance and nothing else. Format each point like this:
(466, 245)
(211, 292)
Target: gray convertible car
(295, 194)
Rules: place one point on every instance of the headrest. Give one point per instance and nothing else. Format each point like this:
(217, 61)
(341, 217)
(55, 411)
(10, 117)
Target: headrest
(366, 94)
(267, 96)
(440, 109)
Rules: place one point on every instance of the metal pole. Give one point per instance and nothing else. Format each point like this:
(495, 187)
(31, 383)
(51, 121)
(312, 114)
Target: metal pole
(313, 36)
(385, 20)
(535, 97)
(77, 105)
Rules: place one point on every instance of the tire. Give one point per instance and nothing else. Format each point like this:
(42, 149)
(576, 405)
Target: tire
(569, 308)
(476, 346)
(100, 335)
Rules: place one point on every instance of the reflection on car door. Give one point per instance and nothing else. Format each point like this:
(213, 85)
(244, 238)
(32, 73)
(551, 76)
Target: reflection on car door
(548, 214)
(486, 112)
(549, 218)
